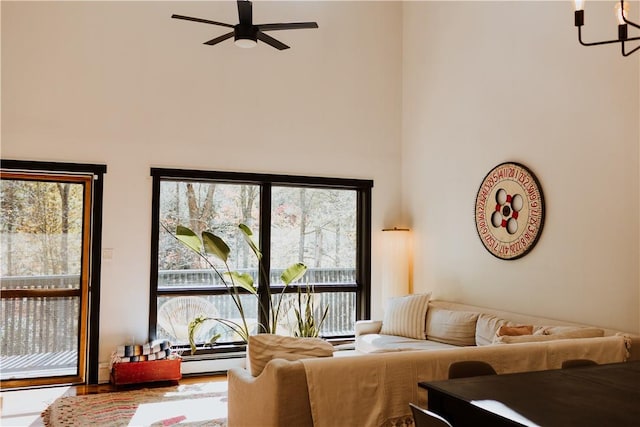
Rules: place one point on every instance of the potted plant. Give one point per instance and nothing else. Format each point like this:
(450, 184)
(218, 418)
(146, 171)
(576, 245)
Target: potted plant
(210, 245)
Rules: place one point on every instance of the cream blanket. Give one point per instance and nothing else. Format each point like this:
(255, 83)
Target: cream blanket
(376, 390)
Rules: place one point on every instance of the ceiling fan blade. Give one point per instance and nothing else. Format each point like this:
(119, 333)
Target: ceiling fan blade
(220, 39)
(271, 41)
(245, 12)
(204, 21)
(288, 26)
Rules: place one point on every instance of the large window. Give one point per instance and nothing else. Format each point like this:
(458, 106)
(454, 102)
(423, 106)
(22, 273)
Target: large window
(49, 235)
(321, 222)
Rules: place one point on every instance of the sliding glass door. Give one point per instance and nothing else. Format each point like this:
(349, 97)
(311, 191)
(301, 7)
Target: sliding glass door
(45, 222)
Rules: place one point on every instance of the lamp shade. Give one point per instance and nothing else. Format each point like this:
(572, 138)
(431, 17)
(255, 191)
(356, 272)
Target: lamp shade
(395, 262)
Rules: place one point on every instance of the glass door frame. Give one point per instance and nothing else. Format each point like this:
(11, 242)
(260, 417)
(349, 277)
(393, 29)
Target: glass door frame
(91, 176)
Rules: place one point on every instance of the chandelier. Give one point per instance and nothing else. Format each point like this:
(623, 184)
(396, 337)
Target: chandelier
(621, 12)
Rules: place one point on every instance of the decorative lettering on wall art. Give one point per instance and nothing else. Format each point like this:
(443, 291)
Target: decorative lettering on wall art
(509, 211)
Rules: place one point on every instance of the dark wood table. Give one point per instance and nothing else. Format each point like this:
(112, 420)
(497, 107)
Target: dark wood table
(602, 396)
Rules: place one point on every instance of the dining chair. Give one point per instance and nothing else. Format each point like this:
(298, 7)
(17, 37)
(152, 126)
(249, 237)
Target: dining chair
(470, 368)
(425, 418)
(575, 363)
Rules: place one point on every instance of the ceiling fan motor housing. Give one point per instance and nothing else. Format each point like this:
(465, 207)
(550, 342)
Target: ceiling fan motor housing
(246, 32)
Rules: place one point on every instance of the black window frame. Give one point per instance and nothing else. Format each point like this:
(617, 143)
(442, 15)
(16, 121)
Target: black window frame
(362, 285)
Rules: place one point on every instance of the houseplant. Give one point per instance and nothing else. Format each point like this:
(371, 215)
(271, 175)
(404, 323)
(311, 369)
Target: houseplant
(306, 324)
(210, 245)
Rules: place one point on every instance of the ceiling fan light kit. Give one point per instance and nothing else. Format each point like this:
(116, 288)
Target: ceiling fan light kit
(245, 34)
(246, 43)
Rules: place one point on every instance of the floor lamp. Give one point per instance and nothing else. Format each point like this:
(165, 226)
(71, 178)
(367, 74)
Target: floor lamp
(396, 261)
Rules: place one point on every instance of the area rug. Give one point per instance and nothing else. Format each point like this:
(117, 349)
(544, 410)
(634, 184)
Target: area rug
(203, 404)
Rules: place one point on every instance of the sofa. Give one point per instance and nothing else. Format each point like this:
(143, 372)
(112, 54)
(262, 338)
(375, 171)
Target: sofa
(373, 384)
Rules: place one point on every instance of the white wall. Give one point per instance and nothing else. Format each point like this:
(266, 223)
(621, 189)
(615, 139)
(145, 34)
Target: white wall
(121, 83)
(488, 82)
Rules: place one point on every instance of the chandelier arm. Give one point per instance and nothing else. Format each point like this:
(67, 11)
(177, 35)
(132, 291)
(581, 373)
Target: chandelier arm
(633, 24)
(594, 43)
(603, 42)
(631, 51)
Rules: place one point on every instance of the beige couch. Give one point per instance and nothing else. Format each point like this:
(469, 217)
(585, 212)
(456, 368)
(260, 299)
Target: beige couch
(472, 326)
(373, 385)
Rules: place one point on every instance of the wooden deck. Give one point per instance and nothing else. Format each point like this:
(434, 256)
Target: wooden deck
(38, 365)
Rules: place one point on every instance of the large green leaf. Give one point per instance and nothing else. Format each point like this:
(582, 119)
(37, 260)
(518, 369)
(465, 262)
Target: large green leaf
(293, 273)
(242, 280)
(214, 245)
(189, 238)
(194, 325)
(247, 234)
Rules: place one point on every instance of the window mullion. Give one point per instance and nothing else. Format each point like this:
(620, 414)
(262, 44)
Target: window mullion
(265, 248)
(363, 259)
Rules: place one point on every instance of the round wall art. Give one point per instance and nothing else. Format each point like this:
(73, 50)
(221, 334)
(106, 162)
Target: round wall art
(509, 211)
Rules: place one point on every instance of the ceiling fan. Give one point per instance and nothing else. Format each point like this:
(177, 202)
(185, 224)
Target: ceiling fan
(245, 33)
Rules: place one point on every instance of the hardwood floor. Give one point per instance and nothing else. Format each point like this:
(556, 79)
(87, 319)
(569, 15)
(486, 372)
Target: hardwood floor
(23, 407)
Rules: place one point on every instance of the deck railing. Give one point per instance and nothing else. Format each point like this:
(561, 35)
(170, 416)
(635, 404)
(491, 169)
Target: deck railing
(39, 325)
(49, 325)
(39, 335)
(340, 318)
(201, 277)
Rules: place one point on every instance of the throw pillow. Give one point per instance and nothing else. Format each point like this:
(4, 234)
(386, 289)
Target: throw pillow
(573, 334)
(405, 316)
(514, 330)
(487, 327)
(572, 331)
(452, 327)
(262, 348)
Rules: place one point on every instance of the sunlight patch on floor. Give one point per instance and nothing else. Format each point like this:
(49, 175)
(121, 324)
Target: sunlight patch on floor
(195, 389)
(180, 411)
(23, 407)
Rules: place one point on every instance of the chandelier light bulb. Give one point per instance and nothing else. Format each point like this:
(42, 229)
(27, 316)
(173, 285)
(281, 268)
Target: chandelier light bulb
(622, 12)
(579, 4)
